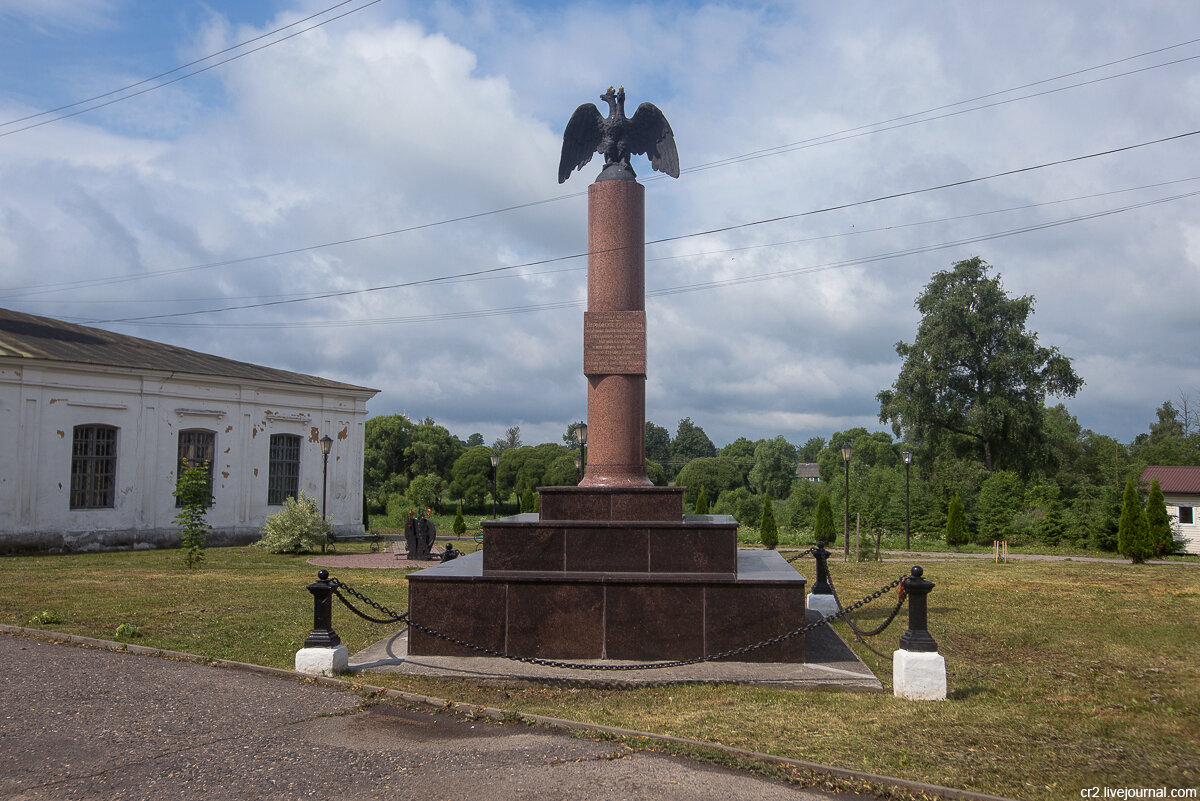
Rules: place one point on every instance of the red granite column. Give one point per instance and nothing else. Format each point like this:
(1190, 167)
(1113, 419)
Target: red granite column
(614, 335)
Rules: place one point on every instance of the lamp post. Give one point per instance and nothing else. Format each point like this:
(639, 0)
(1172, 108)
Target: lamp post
(847, 452)
(326, 447)
(578, 471)
(495, 460)
(581, 436)
(907, 454)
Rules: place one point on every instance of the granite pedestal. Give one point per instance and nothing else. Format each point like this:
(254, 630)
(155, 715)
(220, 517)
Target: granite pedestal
(610, 573)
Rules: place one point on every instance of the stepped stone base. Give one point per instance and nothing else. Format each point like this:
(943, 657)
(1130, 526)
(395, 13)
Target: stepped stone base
(610, 573)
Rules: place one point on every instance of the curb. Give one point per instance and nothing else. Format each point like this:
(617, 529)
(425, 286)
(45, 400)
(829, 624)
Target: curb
(502, 715)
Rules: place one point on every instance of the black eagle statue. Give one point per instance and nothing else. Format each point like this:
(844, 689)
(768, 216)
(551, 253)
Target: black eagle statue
(617, 137)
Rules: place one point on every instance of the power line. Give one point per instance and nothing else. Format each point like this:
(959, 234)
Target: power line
(682, 289)
(186, 74)
(812, 142)
(723, 229)
(739, 249)
(172, 71)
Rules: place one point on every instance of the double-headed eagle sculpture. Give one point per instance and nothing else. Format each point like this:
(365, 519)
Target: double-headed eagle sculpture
(617, 137)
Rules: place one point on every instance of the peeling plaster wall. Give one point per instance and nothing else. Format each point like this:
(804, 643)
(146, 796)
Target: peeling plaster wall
(42, 402)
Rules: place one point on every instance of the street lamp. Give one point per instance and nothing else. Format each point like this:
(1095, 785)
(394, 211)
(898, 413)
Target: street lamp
(326, 447)
(581, 435)
(907, 454)
(495, 460)
(847, 452)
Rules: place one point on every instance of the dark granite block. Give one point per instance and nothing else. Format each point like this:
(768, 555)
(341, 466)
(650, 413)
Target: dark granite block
(572, 503)
(469, 610)
(557, 621)
(658, 503)
(694, 549)
(741, 614)
(522, 547)
(607, 550)
(654, 622)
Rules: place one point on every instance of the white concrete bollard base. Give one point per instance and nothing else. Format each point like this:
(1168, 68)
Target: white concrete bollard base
(919, 675)
(322, 661)
(825, 604)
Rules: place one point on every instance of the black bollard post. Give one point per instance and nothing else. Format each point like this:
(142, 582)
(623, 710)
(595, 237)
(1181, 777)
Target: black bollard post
(822, 586)
(917, 638)
(322, 635)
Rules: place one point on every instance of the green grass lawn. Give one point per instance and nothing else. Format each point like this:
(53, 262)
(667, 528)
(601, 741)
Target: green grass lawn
(1062, 675)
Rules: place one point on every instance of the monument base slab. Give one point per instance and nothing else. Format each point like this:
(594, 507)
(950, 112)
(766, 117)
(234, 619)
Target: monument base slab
(322, 661)
(919, 675)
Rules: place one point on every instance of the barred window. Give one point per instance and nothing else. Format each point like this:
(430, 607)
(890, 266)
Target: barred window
(94, 467)
(197, 446)
(283, 469)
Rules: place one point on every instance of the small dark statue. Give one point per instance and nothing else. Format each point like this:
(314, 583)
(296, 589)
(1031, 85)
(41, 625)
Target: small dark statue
(617, 137)
(419, 534)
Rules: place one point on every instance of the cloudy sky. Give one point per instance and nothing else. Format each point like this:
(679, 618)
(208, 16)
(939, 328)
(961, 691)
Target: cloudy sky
(410, 141)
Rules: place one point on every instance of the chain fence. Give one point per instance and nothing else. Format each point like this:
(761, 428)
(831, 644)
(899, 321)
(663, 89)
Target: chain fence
(406, 617)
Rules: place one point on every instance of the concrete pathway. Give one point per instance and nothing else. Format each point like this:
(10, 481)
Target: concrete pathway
(85, 723)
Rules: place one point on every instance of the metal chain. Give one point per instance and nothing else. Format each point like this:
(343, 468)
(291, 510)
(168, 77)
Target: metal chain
(393, 617)
(801, 555)
(878, 629)
(843, 613)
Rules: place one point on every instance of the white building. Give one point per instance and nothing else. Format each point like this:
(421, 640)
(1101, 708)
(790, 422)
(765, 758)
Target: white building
(94, 425)
(1181, 490)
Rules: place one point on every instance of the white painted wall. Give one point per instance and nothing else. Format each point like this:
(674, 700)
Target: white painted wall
(41, 402)
(1191, 533)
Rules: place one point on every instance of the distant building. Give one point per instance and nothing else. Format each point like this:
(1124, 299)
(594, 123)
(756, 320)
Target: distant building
(807, 471)
(96, 424)
(1181, 488)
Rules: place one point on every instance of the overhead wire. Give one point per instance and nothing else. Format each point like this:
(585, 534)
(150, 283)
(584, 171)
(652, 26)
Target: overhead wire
(811, 142)
(187, 74)
(722, 229)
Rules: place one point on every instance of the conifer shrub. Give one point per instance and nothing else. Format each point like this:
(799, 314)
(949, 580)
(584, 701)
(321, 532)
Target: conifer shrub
(823, 530)
(1162, 535)
(702, 502)
(528, 502)
(767, 530)
(296, 528)
(460, 525)
(956, 523)
(1133, 532)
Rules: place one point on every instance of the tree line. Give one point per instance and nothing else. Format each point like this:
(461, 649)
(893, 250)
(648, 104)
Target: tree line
(970, 403)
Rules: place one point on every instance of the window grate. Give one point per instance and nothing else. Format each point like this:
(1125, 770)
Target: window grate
(93, 467)
(283, 469)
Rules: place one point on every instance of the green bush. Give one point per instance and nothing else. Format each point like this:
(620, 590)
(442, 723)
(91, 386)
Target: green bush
(296, 528)
(823, 530)
(195, 494)
(702, 502)
(956, 524)
(1133, 532)
(528, 502)
(460, 525)
(1162, 534)
(767, 530)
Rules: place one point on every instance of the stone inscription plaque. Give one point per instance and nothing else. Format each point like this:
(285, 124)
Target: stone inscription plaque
(614, 343)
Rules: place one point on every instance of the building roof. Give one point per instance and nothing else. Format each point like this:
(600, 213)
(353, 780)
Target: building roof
(27, 336)
(1174, 478)
(807, 470)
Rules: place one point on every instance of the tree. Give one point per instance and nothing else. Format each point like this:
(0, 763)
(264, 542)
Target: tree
(956, 524)
(701, 503)
(823, 529)
(745, 507)
(767, 531)
(741, 451)
(432, 450)
(194, 491)
(460, 525)
(691, 443)
(510, 440)
(471, 476)
(385, 463)
(1133, 532)
(1000, 498)
(474, 439)
(423, 491)
(808, 452)
(716, 473)
(974, 372)
(774, 469)
(1162, 536)
(658, 443)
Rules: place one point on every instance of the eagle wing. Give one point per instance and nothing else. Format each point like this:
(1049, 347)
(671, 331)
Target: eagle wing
(651, 134)
(580, 140)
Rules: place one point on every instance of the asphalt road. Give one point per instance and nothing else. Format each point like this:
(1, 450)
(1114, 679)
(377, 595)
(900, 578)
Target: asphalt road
(85, 723)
